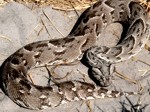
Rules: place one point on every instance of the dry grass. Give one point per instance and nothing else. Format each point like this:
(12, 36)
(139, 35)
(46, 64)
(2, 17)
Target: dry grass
(56, 4)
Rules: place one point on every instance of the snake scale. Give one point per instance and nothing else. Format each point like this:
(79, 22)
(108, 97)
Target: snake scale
(129, 14)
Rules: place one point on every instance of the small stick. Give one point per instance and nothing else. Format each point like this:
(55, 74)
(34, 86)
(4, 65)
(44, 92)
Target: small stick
(52, 23)
(124, 77)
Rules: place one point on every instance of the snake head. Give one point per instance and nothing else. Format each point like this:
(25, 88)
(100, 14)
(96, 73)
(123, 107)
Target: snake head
(104, 78)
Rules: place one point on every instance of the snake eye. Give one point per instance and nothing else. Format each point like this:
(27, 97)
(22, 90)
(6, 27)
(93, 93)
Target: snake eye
(15, 61)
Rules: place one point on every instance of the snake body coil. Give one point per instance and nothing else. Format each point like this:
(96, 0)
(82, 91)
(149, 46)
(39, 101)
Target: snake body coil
(66, 50)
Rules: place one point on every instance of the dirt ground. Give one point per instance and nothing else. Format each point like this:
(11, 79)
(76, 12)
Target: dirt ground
(20, 25)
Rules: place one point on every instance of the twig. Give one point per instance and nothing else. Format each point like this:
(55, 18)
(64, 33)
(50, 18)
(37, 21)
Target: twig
(52, 23)
(45, 27)
(124, 77)
(74, 8)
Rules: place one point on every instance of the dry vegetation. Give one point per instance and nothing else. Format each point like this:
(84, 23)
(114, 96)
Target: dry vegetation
(56, 4)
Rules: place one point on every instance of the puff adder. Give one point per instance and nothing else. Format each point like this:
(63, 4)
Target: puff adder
(129, 14)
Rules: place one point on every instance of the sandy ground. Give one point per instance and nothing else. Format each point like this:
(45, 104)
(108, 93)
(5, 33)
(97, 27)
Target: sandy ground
(19, 25)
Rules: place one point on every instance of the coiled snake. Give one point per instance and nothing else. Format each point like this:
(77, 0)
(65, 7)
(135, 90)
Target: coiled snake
(129, 14)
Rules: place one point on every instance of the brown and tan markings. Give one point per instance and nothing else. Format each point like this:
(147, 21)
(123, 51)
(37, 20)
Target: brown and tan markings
(130, 14)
